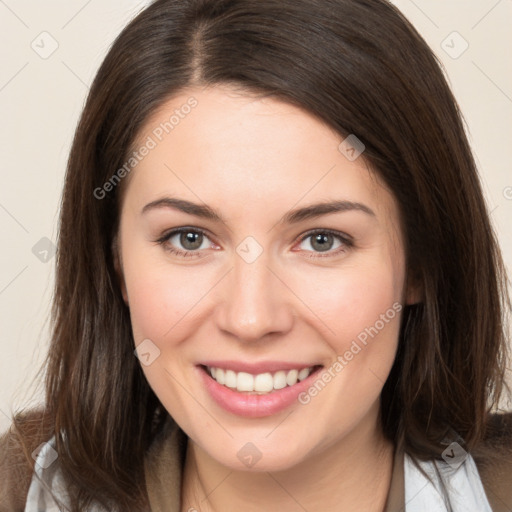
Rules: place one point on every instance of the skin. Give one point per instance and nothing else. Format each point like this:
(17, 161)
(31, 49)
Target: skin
(253, 160)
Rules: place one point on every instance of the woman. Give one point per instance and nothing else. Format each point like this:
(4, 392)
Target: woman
(277, 284)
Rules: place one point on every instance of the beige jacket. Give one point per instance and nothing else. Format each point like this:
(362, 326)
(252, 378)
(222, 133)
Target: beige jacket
(165, 459)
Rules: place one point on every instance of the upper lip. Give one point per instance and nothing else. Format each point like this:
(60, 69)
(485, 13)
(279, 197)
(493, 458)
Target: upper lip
(257, 368)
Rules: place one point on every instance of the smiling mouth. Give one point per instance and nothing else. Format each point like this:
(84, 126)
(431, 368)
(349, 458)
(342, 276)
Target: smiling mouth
(262, 383)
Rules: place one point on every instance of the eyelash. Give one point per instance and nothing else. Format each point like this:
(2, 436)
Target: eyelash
(344, 239)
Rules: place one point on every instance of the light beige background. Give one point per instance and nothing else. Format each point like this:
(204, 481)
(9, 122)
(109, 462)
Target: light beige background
(41, 98)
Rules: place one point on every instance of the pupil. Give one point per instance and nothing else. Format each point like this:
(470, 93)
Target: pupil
(321, 239)
(194, 239)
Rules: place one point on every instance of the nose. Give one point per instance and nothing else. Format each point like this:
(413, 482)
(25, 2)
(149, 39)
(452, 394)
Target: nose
(257, 302)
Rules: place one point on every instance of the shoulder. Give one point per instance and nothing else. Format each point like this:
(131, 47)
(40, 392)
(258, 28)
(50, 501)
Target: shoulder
(163, 466)
(493, 457)
(27, 432)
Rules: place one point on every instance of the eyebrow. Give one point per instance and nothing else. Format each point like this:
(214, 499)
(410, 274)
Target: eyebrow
(316, 210)
(292, 217)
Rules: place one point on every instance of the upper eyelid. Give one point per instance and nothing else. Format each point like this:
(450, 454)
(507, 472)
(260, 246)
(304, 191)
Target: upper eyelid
(333, 232)
(176, 231)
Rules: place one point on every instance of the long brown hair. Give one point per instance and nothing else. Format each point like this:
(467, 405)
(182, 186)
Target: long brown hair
(359, 66)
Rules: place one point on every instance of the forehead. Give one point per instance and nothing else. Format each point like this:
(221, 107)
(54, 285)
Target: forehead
(238, 152)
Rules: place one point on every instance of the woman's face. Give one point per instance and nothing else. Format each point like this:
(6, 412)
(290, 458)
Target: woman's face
(252, 292)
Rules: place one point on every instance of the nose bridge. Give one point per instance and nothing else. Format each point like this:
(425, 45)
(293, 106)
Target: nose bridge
(256, 301)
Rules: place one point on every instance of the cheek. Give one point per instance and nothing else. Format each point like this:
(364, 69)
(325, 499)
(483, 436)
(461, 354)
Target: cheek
(349, 302)
(360, 318)
(163, 299)
(161, 296)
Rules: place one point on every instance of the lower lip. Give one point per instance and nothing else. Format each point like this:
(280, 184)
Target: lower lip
(255, 406)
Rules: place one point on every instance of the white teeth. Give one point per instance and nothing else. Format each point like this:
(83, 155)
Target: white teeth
(280, 380)
(244, 382)
(260, 384)
(291, 377)
(303, 373)
(230, 379)
(263, 383)
(219, 375)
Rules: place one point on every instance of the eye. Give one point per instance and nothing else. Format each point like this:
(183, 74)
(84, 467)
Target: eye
(192, 240)
(323, 241)
(188, 242)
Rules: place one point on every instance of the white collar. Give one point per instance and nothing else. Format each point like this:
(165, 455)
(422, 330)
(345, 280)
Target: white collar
(454, 486)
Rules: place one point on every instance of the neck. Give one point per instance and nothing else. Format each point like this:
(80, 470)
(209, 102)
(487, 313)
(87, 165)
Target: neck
(351, 474)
